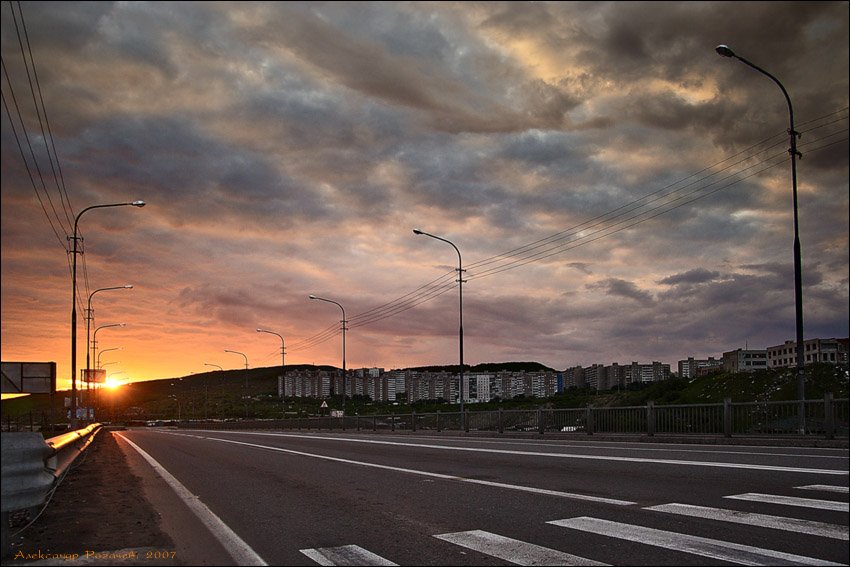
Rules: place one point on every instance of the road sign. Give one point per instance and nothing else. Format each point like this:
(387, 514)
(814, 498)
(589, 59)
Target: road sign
(324, 404)
(29, 377)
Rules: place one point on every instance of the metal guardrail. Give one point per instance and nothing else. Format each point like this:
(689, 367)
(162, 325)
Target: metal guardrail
(32, 465)
(826, 418)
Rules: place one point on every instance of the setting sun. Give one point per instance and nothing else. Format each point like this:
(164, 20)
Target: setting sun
(112, 383)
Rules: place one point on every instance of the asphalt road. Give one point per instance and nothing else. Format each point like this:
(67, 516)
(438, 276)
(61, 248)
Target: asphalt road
(357, 499)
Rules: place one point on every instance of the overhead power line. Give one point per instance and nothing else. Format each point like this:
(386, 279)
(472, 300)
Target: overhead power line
(621, 218)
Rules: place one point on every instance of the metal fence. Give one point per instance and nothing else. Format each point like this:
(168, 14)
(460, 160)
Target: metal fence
(827, 418)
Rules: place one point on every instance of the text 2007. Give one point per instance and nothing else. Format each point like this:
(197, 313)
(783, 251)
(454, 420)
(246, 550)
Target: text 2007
(160, 554)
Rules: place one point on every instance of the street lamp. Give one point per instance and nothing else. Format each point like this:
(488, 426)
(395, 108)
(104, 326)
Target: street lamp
(75, 238)
(282, 344)
(460, 282)
(343, 348)
(216, 365)
(89, 318)
(726, 51)
(103, 351)
(94, 336)
(282, 354)
(243, 354)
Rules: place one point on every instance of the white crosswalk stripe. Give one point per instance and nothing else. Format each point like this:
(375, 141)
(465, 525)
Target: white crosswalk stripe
(520, 552)
(345, 555)
(793, 501)
(513, 550)
(825, 488)
(809, 527)
(711, 548)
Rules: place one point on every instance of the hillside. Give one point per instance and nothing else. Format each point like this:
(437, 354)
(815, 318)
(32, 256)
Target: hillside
(252, 393)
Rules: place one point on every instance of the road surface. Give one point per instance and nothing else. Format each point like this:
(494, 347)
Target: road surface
(291, 498)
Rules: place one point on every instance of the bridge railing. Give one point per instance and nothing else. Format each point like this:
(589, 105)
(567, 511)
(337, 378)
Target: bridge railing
(827, 418)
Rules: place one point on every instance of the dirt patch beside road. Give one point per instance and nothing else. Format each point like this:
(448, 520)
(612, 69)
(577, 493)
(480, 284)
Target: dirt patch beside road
(98, 508)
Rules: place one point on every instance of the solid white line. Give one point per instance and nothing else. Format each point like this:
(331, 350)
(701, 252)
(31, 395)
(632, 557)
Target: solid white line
(345, 555)
(553, 455)
(542, 491)
(240, 551)
(825, 488)
(793, 501)
(712, 548)
(513, 550)
(617, 445)
(833, 531)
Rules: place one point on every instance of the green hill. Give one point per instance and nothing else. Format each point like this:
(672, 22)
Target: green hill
(232, 394)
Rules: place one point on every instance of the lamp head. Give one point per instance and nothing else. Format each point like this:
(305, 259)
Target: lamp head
(417, 231)
(724, 50)
(313, 297)
(128, 286)
(138, 203)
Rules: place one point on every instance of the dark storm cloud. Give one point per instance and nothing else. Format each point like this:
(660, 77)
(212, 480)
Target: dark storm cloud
(695, 276)
(621, 288)
(288, 148)
(149, 156)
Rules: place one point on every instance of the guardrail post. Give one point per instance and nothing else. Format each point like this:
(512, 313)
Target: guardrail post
(829, 416)
(465, 419)
(541, 427)
(501, 423)
(392, 419)
(727, 417)
(650, 418)
(375, 423)
(588, 419)
(438, 421)
(413, 419)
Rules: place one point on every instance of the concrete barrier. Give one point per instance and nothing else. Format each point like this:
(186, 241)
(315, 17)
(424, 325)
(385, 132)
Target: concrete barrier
(31, 466)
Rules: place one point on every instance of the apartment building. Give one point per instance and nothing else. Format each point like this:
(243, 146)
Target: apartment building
(745, 360)
(692, 368)
(815, 350)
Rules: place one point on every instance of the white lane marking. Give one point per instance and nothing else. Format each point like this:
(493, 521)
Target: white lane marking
(712, 548)
(240, 551)
(345, 555)
(553, 455)
(533, 490)
(793, 501)
(833, 531)
(825, 488)
(513, 550)
(645, 446)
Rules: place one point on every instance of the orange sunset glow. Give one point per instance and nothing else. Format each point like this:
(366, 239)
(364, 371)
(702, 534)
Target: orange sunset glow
(617, 190)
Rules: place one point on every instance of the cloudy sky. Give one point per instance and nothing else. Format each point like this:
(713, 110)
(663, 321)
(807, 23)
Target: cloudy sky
(617, 190)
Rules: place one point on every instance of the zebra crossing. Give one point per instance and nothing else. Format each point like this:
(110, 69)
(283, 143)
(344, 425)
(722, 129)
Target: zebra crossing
(518, 552)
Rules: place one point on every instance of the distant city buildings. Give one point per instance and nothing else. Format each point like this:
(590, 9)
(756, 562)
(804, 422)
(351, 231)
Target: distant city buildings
(413, 385)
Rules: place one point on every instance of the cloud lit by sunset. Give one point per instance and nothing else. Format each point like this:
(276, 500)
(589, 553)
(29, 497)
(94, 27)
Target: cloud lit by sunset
(619, 192)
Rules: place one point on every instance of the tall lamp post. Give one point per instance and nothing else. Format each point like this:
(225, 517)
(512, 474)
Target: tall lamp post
(282, 355)
(216, 365)
(76, 238)
(89, 318)
(103, 351)
(243, 355)
(344, 321)
(282, 344)
(460, 282)
(244, 397)
(94, 337)
(726, 51)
